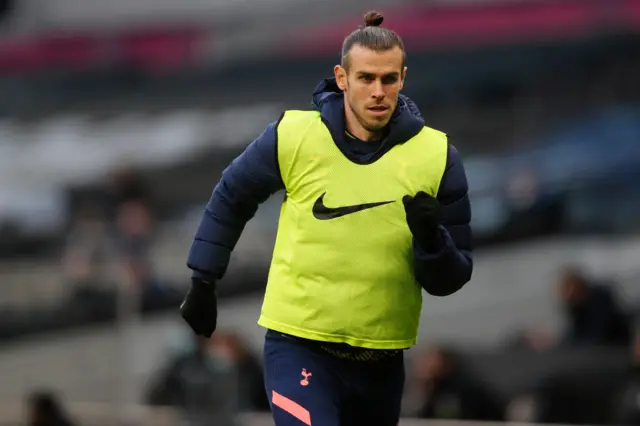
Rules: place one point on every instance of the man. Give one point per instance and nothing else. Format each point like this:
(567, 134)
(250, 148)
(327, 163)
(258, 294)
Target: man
(376, 207)
(201, 382)
(445, 389)
(594, 316)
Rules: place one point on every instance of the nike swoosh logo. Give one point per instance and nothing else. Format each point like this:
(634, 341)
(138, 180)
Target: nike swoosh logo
(322, 212)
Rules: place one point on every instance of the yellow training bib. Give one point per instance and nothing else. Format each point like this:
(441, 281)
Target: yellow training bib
(342, 267)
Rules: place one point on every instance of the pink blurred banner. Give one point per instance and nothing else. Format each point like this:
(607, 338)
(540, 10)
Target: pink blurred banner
(424, 27)
(151, 49)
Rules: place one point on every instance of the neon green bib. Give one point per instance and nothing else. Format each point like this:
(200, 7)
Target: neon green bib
(342, 267)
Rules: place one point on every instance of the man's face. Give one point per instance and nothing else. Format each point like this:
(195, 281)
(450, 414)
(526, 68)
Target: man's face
(371, 86)
(432, 365)
(636, 349)
(572, 291)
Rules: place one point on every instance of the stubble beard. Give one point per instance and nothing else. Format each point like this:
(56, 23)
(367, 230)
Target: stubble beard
(367, 125)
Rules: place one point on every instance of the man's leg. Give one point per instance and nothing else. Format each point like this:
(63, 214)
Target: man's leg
(375, 397)
(300, 384)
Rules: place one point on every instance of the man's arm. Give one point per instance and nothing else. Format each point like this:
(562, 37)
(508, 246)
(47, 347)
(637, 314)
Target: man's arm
(446, 266)
(246, 183)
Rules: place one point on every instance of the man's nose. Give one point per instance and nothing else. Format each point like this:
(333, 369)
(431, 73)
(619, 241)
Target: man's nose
(378, 91)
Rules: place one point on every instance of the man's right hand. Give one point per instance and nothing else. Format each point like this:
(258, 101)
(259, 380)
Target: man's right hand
(200, 307)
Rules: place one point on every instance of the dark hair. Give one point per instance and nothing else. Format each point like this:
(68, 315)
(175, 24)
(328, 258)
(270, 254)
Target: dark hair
(371, 36)
(46, 404)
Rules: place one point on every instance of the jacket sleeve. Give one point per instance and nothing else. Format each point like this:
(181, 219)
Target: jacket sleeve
(443, 269)
(246, 183)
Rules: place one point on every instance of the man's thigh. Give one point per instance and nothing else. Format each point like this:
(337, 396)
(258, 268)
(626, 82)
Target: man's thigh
(300, 384)
(376, 396)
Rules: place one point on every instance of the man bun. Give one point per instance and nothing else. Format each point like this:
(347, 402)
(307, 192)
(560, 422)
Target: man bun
(373, 19)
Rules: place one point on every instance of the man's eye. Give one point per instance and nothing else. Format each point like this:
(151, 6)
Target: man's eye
(389, 80)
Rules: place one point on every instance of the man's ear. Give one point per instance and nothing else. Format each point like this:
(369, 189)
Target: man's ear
(341, 76)
(403, 78)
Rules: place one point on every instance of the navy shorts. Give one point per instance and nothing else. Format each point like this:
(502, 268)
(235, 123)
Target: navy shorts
(308, 386)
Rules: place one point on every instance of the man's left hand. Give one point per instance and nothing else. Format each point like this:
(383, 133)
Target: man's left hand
(423, 217)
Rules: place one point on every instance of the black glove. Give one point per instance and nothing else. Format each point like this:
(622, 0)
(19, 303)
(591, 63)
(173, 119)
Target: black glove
(423, 218)
(200, 307)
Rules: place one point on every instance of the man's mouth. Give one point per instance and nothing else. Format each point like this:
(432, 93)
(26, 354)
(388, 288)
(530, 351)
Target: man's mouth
(378, 109)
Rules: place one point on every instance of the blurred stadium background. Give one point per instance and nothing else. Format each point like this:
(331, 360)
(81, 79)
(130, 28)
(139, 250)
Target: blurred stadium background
(117, 118)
